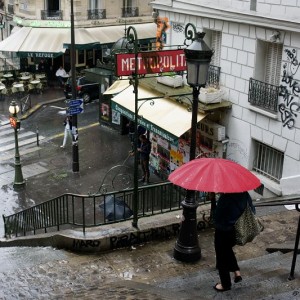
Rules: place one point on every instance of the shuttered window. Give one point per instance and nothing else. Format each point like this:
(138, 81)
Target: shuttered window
(216, 41)
(273, 63)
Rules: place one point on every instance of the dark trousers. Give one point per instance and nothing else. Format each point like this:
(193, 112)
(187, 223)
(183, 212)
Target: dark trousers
(226, 260)
(145, 168)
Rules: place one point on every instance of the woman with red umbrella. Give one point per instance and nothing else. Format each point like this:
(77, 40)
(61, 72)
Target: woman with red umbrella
(229, 208)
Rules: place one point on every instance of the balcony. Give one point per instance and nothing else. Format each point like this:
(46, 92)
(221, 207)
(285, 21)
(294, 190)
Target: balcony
(51, 14)
(214, 76)
(96, 14)
(263, 95)
(130, 12)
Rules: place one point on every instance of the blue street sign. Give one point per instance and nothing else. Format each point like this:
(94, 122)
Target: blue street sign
(76, 102)
(74, 110)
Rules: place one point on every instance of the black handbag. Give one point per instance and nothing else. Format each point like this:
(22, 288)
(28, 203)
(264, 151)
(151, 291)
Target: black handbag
(247, 227)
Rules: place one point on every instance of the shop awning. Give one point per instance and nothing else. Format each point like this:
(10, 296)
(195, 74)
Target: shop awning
(52, 42)
(36, 42)
(111, 34)
(117, 87)
(162, 116)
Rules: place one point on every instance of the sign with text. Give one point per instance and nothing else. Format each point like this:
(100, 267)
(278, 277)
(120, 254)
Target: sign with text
(151, 62)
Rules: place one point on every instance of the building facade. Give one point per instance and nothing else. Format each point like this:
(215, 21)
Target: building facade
(256, 44)
(52, 19)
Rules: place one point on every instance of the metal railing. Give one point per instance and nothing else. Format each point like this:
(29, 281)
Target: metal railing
(51, 14)
(214, 76)
(96, 14)
(268, 161)
(263, 95)
(289, 200)
(130, 12)
(71, 210)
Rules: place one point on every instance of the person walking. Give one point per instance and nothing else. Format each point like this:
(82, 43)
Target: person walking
(144, 151)
(68, 130)
(230, 207)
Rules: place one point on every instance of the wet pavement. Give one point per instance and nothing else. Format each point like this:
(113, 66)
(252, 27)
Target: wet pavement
(149, 271)
(146, 271)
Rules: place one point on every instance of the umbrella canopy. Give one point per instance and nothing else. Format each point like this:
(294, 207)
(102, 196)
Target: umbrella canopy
(115, 209)
(214, 175)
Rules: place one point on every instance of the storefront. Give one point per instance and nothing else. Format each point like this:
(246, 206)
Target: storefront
(168, 124)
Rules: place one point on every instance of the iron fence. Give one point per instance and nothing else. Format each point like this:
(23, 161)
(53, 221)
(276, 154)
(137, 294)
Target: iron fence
(96, 14)
(263, 95)
(214, 76)
(84, 211)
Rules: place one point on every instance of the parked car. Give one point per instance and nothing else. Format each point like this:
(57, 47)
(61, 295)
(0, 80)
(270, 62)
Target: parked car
(85, 89)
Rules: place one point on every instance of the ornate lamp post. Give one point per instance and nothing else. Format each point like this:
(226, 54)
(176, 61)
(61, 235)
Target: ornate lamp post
(198, 56)
(15, 123)
(133, 40)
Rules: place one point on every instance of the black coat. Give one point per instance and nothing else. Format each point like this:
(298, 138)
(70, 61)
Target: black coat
(229, 208)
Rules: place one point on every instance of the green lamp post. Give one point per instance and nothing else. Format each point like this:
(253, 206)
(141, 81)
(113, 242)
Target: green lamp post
(15, 123)
(198, 56)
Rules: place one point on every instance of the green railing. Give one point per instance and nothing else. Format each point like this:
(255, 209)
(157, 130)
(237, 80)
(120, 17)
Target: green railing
(84, 211)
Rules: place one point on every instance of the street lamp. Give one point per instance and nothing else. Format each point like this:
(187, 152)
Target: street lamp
(15, 123)
(133, 41)
(198, 56)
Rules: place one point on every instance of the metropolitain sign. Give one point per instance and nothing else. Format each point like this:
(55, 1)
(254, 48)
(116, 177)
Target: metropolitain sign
(150, 62)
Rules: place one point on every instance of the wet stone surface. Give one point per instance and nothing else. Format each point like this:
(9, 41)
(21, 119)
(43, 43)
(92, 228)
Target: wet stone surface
(136, 272)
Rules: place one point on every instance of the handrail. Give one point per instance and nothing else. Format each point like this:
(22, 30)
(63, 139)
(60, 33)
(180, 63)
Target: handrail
(290, 200)
(99, 209)
(92, 210)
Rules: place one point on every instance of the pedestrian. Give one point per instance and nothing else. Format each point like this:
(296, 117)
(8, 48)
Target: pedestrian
(68, 130)
(61, 74)
(144, 151)
(140, 131)
(42, 67)
(230, 207)
(130, 126)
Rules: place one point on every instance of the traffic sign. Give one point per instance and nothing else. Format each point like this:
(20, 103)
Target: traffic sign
(74, 110)
(76, 102)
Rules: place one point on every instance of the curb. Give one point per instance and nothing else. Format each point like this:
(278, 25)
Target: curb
(110, 236)
(38, 106)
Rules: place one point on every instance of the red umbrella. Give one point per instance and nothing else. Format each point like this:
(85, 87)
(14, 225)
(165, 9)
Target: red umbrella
(214, 175)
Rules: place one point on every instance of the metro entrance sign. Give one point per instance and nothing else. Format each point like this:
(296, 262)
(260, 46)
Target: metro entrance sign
(151, 62)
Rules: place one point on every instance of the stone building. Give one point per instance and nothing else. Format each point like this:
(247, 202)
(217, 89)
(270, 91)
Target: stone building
(256, 44)
(42, 28)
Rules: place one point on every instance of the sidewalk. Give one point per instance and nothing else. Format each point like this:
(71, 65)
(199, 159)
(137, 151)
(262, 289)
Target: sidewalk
(50, 95)
(146, 271)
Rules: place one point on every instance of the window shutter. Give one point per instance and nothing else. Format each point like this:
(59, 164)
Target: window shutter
(273, 63)
(216, 39)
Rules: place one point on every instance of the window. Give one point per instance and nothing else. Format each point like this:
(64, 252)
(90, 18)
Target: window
(264, 87)
(94, 4)
(268, 62)
(216, 40)
(253, 5)
(268, 161)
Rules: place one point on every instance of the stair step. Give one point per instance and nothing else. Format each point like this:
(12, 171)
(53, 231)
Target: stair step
(263, 277)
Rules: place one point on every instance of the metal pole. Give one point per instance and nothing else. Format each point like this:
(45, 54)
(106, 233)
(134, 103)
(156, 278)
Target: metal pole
(292, 272)
(132, 37)
(187, 246)
(75, 150)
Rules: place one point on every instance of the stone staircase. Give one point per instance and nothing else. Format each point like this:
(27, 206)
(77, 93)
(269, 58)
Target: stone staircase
(264, 277)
